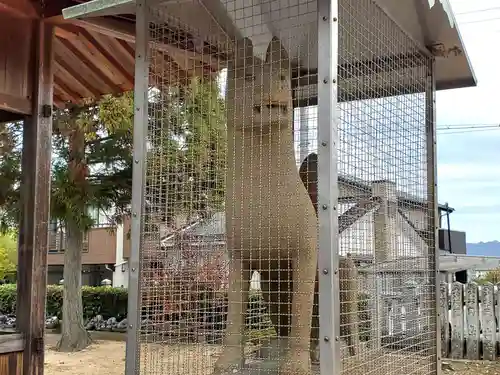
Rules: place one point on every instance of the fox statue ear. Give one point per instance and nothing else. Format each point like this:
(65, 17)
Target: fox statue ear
(277, 55)
(243, 53)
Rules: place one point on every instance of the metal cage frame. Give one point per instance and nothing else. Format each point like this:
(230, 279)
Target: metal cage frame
(328, 255)
(328, 118)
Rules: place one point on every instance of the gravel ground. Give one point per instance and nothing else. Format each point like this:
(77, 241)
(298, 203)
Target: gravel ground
(108, 357)
(471, 368)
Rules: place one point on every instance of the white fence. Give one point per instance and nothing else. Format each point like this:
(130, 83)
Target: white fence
(469, 315)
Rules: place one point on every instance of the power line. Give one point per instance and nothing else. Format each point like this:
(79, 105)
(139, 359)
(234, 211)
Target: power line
(470, 125)
(478, 11)
(458, 131)
(477, 21)
(461, 127)
(466, 131)
(484, 127)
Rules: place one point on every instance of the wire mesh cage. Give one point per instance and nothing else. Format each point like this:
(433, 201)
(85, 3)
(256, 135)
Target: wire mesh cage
(284, 191)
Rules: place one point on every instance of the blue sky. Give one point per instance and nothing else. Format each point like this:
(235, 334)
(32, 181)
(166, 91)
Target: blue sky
(469, 163)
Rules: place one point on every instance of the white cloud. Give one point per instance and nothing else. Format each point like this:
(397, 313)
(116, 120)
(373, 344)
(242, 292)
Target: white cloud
(469, 172)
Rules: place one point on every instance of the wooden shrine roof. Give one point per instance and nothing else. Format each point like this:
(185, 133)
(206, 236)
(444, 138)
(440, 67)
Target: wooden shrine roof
(94, 57)
(89, 63)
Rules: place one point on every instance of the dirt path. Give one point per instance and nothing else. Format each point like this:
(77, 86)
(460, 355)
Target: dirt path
(105, 357)
(108, 358)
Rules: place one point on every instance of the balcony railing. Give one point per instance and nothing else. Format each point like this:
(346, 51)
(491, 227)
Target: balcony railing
(57, 241)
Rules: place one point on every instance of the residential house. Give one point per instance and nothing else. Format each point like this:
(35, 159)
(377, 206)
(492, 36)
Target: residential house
(105, 252)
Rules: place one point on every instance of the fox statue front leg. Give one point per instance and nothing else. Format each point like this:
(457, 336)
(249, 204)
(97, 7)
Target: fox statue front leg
(232, 357)
(298, 359)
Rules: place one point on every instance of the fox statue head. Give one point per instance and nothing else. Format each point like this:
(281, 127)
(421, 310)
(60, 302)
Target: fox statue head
(259, 93)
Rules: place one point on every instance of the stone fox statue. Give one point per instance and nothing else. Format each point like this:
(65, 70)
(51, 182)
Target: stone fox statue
(271, 223)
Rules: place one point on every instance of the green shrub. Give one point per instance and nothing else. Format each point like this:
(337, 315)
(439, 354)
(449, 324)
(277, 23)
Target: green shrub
(112, 302)
(106, 301)
(8, 298)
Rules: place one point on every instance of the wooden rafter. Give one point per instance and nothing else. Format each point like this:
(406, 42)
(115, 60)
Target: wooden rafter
(182, 75)
(123, 53)
(127, 47)
(125, 30)
(92, 65)
(63, 87)
(164, 71)
(99, 43)
(76, 73)
(59, 102)
(176, 74)
(67, 31)
(101, 60)
(157, 76)
(97, 56)
(65, 68)
(59, 93)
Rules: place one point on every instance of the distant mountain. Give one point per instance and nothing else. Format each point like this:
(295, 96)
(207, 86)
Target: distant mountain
(490, 249)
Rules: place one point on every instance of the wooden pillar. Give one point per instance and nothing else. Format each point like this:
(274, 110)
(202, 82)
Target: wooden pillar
(35, 198)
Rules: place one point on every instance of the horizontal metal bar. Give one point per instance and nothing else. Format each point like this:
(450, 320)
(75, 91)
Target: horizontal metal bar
(304, 77)
(96, 8)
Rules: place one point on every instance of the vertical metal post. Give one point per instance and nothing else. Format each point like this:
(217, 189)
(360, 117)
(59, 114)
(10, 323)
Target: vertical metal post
(433, 224)
(328, 118)
(303, 133)
(138, 181)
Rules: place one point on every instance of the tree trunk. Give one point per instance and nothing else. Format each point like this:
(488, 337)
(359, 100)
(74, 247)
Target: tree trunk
(74, 336)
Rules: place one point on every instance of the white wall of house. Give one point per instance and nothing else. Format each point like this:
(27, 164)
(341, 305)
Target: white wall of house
(120, 275)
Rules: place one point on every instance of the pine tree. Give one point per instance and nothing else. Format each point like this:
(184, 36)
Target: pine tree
(92, 167)
(186, 161)
(10, 173)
